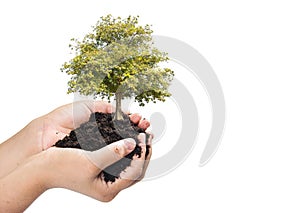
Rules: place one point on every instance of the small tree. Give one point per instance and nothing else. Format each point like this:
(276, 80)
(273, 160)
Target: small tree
(118, 59)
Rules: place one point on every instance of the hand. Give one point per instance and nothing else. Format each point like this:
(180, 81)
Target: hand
(59, 123)
(74, 169)
(64, 165)
(43, 132)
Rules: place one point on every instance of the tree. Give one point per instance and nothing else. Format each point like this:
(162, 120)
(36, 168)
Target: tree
(118, 59)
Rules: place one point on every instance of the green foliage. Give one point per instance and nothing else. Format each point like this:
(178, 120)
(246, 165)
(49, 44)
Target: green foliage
(118, 57)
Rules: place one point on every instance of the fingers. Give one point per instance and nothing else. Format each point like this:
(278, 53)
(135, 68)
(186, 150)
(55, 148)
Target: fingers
(101, 106)
(144, 124)
(148, 157)
(130, 176)
(137, 119)
(97, 106)
(134, 171)
(110, 154)
(137, 163)
(70, 116)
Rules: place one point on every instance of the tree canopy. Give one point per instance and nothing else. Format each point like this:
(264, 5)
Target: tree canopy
(118, 58)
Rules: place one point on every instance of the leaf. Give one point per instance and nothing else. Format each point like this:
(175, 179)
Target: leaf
(118, 55)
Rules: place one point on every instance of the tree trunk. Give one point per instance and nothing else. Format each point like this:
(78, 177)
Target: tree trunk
(118, 115)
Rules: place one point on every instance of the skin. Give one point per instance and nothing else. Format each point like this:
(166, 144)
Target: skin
(30, 165)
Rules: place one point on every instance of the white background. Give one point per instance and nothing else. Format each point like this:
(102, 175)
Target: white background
(254, 48)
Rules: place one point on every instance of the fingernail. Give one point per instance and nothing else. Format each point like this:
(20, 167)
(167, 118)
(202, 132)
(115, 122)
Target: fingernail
(129, 143)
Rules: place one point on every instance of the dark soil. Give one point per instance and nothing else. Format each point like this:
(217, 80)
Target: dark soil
(100, 131)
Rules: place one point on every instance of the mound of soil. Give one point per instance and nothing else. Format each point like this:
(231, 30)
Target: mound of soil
(100, 131)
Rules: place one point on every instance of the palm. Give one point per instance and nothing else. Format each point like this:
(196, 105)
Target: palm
(60, 122)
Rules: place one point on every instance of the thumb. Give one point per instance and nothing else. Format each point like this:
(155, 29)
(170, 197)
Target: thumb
(111, 153)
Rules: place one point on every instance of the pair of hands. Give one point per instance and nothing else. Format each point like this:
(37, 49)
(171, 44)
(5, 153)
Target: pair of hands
(30, 165)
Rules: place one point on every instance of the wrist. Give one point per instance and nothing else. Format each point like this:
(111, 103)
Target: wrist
(22, 186)
(51, 169)
(42, 166)
(18, 148)
(36, 166)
